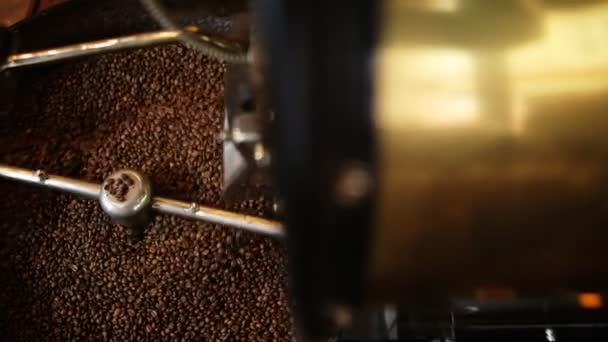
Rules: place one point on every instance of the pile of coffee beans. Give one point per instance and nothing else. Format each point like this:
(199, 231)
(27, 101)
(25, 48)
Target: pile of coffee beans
(119, 187)
(68, 273)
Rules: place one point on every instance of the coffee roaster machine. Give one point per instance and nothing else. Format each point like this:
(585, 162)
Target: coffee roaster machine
(439, 165)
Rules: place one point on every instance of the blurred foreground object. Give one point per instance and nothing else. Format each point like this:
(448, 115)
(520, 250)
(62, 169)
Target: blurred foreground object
(12, 11)
(448, 149)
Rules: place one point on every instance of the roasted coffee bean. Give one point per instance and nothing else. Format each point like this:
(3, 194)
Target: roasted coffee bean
(69, 273)
(123, 188)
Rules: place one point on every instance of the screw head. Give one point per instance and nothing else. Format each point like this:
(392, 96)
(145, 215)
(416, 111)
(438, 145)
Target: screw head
(353, 184)
(42, 176)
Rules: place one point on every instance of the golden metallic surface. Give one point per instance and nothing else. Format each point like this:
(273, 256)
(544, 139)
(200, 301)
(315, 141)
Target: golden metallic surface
(493, 145)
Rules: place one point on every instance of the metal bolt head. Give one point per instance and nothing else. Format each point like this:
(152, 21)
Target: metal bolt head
(261, 155)
(342, 316)
(42, 176)
(126, 197)
(353, 184)
(278, 206)
(193, 208)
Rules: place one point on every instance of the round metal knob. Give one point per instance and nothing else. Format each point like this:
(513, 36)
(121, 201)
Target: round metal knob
(126, 196)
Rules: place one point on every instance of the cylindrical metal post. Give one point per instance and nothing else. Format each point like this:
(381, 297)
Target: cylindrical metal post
(90, 48)
(41, 178)
(217, 216)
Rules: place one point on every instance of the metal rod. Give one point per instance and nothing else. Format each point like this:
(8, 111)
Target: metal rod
(159, 204)
(90, 48)
(217, 216)
(40, 178)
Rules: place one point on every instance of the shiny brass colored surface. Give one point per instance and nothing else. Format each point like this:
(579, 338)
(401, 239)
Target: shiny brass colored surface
(493, 146)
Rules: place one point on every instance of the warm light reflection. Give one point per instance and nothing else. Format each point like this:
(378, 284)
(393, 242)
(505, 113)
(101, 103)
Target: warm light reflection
(437, 86)
(430, 87)
(572, 54)
(590, 300)
(102, 44)
(432, 5)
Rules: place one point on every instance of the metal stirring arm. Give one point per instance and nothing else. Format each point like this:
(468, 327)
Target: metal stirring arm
(133, 41)
(89, 48)
(124, 206)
